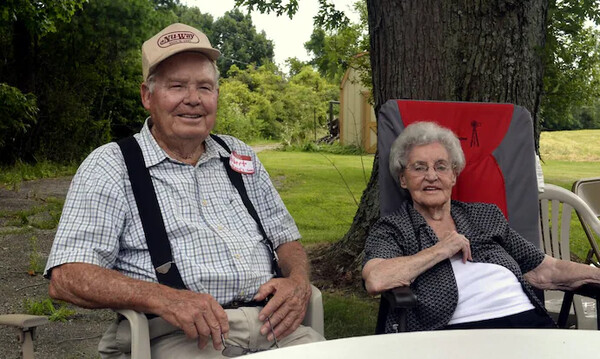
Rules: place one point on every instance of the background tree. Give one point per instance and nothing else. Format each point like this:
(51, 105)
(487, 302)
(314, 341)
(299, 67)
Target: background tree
(572, 71)
(25, 22)
(239, 42)
(260, 102)
(465, 51)
(335, 49)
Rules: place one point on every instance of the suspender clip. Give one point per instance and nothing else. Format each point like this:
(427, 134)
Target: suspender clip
(163, 269)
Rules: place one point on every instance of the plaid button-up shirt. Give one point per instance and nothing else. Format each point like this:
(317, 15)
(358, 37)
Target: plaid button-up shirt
(215, 242)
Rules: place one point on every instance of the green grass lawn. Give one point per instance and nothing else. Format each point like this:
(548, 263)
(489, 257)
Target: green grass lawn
(321, 191)
(566, 157)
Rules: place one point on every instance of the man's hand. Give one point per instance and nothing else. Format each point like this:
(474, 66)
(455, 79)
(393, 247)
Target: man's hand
(287, 307)
(91, 286)
(198, 315)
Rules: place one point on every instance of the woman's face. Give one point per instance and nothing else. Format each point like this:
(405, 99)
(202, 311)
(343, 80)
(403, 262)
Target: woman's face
(429, 176)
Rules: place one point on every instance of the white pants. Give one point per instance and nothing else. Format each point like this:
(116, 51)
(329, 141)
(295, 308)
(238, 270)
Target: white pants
(168, 341)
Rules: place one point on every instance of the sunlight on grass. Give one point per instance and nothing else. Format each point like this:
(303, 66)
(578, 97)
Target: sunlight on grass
(322, 200)
(579, 146)
(564, 173)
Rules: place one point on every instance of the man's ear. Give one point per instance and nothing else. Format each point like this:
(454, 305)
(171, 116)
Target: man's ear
(146, 95)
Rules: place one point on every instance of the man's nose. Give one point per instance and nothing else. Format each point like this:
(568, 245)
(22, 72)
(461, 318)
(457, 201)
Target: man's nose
(192, 96)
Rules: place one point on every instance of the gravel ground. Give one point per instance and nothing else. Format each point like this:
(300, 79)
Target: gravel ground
(76, 338)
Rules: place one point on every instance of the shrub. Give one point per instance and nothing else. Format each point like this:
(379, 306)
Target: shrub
(17, 113)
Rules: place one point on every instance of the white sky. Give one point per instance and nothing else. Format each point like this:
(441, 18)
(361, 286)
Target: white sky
(288, 36)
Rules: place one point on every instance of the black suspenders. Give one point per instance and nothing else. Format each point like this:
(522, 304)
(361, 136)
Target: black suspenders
(238, 183)
(151, 216)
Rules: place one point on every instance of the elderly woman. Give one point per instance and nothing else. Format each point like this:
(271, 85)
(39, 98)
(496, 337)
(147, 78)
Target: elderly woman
(468, 268)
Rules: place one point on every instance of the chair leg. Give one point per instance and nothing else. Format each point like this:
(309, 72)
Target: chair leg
(564, 309)
(384, 307)
(402, 324)
(597, 313)
(26, 338)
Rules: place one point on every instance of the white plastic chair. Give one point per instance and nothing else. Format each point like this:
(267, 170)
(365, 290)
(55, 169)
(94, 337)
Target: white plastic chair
(556, 206)
(588, 189)
(25, 325)
(140, 338)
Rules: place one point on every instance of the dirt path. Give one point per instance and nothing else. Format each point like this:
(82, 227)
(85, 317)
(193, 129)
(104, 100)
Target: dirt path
(22, 212)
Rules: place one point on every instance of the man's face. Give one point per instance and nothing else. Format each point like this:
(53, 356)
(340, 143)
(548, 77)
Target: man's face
(183, 104)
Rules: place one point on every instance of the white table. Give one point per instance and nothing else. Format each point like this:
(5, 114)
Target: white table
(449, 344)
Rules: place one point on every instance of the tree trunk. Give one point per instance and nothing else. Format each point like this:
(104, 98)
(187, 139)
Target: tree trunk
(489, 51)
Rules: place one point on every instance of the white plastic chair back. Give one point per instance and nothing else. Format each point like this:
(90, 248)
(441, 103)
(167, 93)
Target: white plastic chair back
(556, 209)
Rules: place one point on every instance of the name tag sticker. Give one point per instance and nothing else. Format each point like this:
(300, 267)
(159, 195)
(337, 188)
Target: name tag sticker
(241, 163)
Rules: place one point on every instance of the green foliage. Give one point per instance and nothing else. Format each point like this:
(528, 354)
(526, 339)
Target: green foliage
(239, 42)
(12, 176)
(47, 307)
(328, 16)
(572, 59)
(335, 148)
(333, 51)
(17, 114)
(40, 16)
(259, 102)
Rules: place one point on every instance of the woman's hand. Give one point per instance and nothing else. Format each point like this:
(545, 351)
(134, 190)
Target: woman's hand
(453, 243)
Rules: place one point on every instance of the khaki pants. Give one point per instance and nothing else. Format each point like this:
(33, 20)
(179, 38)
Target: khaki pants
(168, 341)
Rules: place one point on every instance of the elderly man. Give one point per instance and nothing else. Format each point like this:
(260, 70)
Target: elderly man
(101, 257)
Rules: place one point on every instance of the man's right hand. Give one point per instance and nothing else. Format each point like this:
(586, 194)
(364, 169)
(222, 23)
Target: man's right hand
(198, 315)
(91, 286)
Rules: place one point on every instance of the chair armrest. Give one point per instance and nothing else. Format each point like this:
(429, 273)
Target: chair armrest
(23, 321)
(26, 325)
(400, 297)
(140, 336)
(591, 290)
(314, 313)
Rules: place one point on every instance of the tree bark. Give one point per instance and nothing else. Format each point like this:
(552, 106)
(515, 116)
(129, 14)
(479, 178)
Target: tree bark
(486, 50)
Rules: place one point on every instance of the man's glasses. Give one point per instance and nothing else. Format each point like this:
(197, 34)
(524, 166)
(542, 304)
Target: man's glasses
(232, 351)
(422, 168)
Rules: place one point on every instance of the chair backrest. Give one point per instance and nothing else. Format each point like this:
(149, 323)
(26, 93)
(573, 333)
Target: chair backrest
(556, 209)
(498, 143)
(588, 189)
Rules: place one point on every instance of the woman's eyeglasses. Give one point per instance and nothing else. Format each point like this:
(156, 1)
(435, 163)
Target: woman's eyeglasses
(422, 168)
(232, 351)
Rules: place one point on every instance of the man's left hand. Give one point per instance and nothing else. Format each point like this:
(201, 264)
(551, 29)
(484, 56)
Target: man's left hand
(286, 308)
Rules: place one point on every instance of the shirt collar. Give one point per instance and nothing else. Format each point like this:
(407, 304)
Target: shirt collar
(461, 220)
(154, 154)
